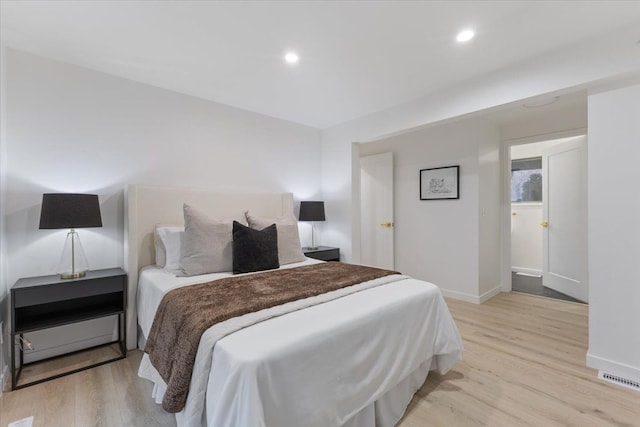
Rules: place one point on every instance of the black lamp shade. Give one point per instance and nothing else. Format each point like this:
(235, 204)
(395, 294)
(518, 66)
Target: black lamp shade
(65, 210)
(311, 211)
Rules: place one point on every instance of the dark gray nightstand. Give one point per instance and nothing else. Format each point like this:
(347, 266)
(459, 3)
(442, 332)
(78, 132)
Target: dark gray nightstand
(47, 301)
(324, 253)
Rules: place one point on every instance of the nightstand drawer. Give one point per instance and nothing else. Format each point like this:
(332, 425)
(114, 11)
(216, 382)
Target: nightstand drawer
(323, 253)
(65, 291)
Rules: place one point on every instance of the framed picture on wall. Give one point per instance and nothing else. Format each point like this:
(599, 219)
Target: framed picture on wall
(440, 183)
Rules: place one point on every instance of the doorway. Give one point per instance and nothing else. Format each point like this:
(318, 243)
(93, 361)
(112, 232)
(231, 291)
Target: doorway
(548, 218)
(376, 211)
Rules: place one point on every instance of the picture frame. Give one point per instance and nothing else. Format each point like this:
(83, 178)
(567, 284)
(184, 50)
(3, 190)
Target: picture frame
(441, 183)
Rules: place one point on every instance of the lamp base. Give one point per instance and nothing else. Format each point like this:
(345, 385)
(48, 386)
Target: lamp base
(312, 248)
(75, 275)
(73, 262)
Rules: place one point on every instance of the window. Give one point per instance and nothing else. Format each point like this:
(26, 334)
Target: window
(526, 180)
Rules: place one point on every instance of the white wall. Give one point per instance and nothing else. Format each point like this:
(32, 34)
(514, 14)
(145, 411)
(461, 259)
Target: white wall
(4, 300)
(614, 229)
(560, 72)
(545, 121)
(70, 129)
(433, 239)
(534, 149)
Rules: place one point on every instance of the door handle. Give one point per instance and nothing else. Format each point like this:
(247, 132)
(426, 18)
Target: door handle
(387, 224)
(545, 224)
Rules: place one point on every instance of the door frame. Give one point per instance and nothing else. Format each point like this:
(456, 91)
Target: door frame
(505, 208)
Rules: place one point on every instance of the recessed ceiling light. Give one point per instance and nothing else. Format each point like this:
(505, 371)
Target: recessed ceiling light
(291, 58)
(465, 36)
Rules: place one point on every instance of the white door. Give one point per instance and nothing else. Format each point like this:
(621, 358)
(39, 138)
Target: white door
(376, 202)
(564, 197)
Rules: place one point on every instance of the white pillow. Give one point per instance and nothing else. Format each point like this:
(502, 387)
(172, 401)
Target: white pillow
(289, 247)
(161, 254)
(171, 239)
(207, 244)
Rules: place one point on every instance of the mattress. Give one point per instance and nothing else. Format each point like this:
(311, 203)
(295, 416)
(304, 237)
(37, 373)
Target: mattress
(352, 361)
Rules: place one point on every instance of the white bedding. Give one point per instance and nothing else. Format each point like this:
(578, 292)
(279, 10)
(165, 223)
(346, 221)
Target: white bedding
(338, 363)
(154, 282)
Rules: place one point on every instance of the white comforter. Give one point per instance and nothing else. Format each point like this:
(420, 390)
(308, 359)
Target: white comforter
(314, 367)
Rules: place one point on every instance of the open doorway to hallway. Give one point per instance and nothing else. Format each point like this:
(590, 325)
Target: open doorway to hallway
(548, 218)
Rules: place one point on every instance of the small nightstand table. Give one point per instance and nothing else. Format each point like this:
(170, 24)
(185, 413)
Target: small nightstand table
(324, 253)
(47, 301)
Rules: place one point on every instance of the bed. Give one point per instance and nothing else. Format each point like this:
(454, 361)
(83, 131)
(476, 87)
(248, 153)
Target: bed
(353, 358)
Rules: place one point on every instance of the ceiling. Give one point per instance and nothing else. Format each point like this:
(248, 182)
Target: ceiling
(356, 57)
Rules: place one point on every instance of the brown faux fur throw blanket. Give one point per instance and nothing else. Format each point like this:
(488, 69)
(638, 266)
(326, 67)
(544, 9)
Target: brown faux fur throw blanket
(186, 313)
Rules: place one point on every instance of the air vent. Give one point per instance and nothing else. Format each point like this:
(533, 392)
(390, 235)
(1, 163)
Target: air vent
(625, 382)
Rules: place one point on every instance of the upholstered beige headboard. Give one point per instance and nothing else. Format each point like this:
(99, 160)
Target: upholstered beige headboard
(147, 206)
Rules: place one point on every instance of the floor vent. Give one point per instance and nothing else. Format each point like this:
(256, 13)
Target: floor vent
(625, 382)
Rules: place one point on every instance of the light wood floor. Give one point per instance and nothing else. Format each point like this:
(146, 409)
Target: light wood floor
(524, 365)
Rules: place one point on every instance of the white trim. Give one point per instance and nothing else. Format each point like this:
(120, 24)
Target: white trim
(614, 368)
(505, 217)
(356, 209)
(525, 270)
(460, 296)
(473, 299)
(546, 137)
(490, 294)
(4, 284)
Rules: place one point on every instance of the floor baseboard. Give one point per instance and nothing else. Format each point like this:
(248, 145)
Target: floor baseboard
(520, 273)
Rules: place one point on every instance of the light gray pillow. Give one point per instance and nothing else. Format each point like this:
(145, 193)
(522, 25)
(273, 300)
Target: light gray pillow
(289, 247)
(207, 245)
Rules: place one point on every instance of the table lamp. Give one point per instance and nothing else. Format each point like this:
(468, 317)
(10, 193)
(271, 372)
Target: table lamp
(312, 211)
(67, 210)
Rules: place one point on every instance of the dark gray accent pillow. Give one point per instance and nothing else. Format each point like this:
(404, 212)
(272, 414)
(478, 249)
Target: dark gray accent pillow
(254, 250)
